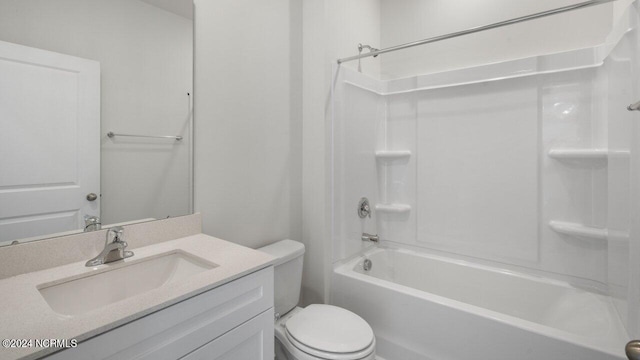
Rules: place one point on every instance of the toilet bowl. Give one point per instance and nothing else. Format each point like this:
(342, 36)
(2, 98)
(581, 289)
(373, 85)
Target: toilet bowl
(318, 331)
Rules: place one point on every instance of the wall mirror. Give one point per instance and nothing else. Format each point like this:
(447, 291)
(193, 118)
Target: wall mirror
(74, 71)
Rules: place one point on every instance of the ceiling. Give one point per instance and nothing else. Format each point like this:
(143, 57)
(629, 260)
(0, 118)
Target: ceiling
(183, 8)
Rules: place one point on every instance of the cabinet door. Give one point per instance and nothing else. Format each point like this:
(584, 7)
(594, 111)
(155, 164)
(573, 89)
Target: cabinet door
(251, 340)
(179, 329)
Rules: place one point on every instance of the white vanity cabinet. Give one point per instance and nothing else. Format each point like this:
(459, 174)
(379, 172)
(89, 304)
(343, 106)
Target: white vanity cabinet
(233, 322)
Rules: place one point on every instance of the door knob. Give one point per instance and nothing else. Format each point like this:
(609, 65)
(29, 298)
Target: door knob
(92, 196)
(633, 350)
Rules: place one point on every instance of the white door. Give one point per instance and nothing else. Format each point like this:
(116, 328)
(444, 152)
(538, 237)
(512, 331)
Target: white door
(49, 141)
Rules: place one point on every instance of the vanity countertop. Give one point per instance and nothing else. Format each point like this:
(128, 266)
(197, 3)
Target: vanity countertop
(26, 315)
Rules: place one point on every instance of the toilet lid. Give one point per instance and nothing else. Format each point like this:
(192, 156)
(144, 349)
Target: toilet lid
(330, 329)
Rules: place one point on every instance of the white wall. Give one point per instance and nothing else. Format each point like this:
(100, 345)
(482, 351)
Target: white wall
(248, 119)
(316, 161)
(145, 55)
(350, 23)
(255, 181)
(634, 226)
(412, 20)
(331, 29)
(623, 139)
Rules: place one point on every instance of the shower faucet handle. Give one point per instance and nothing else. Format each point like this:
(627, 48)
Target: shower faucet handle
(364, 209)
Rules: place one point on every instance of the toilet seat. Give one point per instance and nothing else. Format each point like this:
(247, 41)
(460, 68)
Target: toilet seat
(325, 355)
(330, 332)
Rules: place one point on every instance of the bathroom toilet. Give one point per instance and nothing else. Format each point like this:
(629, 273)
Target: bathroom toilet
(318, 331)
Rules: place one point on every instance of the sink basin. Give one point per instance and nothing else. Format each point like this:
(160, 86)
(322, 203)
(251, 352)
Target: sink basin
(75, 296)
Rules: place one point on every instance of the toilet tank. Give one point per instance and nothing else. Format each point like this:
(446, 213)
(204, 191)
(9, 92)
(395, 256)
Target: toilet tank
(288, 273)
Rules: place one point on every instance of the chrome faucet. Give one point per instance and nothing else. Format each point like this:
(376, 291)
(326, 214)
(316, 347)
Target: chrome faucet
(114, 250)
(364, 209)
(370, 237)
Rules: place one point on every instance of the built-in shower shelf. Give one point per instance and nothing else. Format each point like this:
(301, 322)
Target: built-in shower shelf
(580, 230)
(393, 154)
(579, 154)
(393, 208)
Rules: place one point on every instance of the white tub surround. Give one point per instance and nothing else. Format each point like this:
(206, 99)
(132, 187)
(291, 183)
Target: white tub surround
(482, 164)
(424, 306)
(579, 154)
(26, 314)
(522, 165)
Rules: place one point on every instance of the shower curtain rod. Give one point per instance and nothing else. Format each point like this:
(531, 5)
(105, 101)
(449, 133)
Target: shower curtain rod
(478, 29)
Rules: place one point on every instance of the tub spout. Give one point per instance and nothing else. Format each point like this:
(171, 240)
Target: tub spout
(370, 237)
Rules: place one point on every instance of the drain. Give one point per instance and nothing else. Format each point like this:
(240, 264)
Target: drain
(367, 264)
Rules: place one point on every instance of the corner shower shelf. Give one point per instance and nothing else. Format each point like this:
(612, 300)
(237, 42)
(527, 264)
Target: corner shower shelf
(575, 229)
(393, 208)
(392, 154)
(579, 154)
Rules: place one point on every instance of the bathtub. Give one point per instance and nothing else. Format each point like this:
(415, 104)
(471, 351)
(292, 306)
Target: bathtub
(422, 306)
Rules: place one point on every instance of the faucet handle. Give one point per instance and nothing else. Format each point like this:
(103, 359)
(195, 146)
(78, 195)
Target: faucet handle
(364, 209)
(118, 233)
